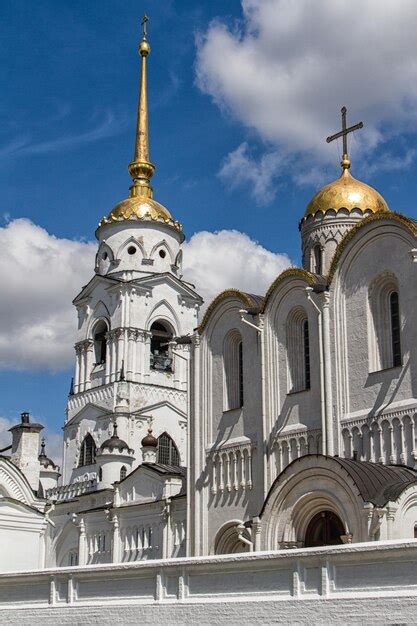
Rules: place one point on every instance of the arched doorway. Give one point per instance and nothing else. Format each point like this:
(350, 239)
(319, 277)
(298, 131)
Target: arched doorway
(324, 529)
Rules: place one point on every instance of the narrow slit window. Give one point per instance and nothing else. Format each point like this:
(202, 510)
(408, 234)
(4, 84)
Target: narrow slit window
(306, 355)
(240, 382)
(395, 329)
(317, 260)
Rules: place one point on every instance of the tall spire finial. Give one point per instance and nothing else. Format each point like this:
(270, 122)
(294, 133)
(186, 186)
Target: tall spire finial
(141, 169)
(344, 133)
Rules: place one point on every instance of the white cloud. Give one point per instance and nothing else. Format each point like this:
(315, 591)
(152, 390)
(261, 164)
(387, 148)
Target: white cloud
(288, 66)
(39, 275)
(53, 440)
(230, 259)
(240, 167)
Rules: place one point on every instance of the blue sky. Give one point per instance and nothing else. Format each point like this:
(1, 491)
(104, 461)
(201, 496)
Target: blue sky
(241, 97)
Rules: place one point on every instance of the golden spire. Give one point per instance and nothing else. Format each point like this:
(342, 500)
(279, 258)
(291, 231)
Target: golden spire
(141, 169)
(140, 205)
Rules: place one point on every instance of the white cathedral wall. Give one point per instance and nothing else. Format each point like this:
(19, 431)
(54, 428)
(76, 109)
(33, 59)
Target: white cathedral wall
(22, 537)
(231, 481)
(361, 392)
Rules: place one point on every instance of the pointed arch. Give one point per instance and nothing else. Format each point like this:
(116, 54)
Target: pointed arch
(298, 349)
(178, 259)
(168, 315)
(100, 312)
(15, 484)
(87, 451)
(167, 451)
(232, 370)
(162, 245)
(385, 323)
(131, 241)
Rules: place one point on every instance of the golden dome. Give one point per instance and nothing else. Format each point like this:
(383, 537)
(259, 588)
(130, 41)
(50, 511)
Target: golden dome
(140, 208)
(346, 193)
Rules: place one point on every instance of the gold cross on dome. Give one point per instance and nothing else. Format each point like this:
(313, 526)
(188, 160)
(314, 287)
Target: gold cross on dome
(144, 21)
(344, 132)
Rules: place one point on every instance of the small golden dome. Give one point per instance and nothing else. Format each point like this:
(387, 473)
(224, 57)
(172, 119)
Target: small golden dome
(346, 193)
(140, 208)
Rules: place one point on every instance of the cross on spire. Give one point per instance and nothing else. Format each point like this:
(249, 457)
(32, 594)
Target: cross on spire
(344, 133)
(144, 21)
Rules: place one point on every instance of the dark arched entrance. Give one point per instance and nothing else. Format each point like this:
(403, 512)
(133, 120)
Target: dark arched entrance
(324, 529)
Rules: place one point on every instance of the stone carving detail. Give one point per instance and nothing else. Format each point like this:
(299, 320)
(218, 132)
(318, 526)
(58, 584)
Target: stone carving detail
(231, 468)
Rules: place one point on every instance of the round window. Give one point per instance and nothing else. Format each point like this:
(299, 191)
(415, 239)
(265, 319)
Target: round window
(104, 256)
(162, 254)
(131, 250)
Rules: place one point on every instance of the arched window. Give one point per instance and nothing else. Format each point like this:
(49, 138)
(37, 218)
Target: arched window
(298, 350)
(395, 329)
(100, 474)
(167, 452)
(306, 340)
(123, 472)
(232, 371)
(385, 323)
(324, 529)
(317, 260)
(100, 343)
(161, 336)
(87, 452)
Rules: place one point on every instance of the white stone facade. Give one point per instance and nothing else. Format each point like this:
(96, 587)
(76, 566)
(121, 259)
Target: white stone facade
(282, 421)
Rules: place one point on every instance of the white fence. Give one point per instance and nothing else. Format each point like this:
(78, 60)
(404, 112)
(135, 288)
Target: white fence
(368, 582)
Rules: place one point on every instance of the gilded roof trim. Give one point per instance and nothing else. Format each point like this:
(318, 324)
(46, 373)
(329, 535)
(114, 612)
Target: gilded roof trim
(292, 272)
(246, 298)
(383, 215)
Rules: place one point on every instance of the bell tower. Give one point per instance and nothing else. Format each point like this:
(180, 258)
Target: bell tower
(134, 319)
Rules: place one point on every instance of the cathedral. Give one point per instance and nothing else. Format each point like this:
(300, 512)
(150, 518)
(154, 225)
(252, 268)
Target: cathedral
(271, 422)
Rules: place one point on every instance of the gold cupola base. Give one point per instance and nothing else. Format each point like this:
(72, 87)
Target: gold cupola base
(331, 213)
(346, 193)
(140, 208)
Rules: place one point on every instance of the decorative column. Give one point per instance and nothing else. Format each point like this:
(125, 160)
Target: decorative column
(114, 520)
(328, 375)
(256, 533)
(250, 468)
(166, 530)
(235, 482)
(381, 445)
(391, 435)
(391, 511)
(146, 363)
(132, 335)
(89, 361)
(82, 543)
(213, 474)
(112, 349)
(78, 351)
(108, 356)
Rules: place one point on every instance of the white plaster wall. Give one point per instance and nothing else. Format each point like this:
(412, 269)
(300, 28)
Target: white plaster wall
(149, 237)
(379, 247)
(349, 584)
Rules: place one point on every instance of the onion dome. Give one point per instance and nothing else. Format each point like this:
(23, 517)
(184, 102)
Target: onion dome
(140, 205)
(45, 461)
(346, 193)
(115, 443)
(149, 441)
